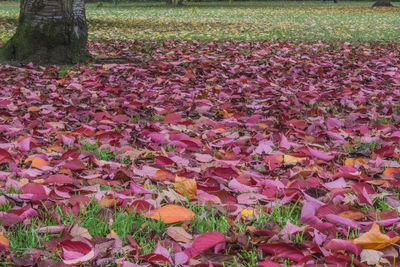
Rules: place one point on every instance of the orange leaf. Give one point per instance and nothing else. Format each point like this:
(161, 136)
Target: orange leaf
(107, 201)
(55, 148)
(163, 175)
(172, 214)
(37, 162)
(33, 109)
(391, 172)
(262, 125)
(4, 241)
(350, 161)
(352, 214)
(374, 239)
(186, 187)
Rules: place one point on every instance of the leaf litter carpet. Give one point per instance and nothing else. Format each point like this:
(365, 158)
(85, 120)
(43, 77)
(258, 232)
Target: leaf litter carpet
(244, 129)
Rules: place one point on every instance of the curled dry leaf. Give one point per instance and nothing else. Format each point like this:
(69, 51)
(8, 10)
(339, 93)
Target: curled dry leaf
(79, 231)
(179, 234)
(374, 239)
(186, 187)
(172, 214)
(372, 257)
(77, 251)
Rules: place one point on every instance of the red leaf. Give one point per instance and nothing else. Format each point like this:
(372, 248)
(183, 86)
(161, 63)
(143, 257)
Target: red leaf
(75, 165)
(172, 118)
(282, 250)
(59, 179)
(204, 241)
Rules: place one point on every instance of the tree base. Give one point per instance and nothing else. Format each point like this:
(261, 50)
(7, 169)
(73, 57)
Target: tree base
(49, 32)
(382, 4)
(26, 47)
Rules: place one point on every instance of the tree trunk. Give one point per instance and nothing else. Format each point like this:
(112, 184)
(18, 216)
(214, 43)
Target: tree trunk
(49, 31)
(379, 3)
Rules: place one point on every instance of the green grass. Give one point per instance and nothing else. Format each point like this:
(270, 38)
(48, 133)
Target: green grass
(24, 237)
(281, 20)
(363, 146)
(213, 221)
(142, 229)
(6, 206)
(103, 154)
(91, 220)
(280, 214)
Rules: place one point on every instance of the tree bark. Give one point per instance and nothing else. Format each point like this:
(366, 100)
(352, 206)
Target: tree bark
(49, 31)
(379, 3)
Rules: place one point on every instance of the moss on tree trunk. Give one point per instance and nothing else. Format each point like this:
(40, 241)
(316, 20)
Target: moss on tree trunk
(379, 3)
(49, 31)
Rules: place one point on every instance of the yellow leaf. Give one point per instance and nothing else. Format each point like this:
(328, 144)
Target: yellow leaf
(33, 109)
(374, 239)
(246, 213)
(172, 214)
(290, 159)
(186, 187)
(23, 181)
(37, 162)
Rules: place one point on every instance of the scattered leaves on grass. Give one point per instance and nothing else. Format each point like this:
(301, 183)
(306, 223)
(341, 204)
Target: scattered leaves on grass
(286, 150)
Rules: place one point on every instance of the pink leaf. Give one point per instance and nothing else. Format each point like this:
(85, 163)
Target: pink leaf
(321, 154)
(347, 245)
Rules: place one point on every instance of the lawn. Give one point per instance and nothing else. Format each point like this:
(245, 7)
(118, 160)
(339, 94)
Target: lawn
(350, 21)
(244, 134)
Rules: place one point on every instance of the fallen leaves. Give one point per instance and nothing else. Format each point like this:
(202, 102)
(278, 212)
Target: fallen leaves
(172, 214)
(37, 162)
(76, 252)
(179, 234)
(373, 257)
(186, 187)
(4, 242)
(33, 109)
(281, 147)
(374, 239)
